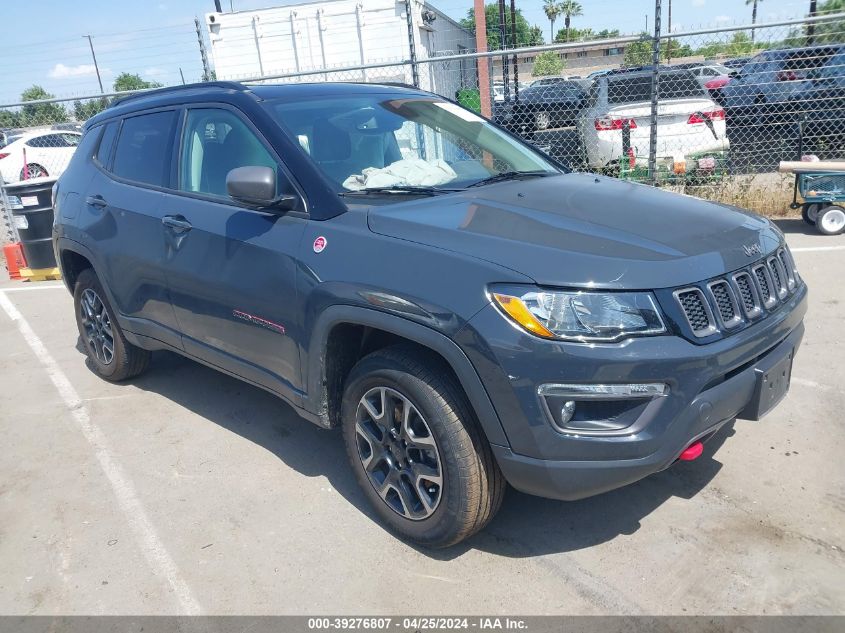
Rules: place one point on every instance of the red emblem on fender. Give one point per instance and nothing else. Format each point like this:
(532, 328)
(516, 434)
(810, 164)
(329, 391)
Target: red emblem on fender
(320, 244)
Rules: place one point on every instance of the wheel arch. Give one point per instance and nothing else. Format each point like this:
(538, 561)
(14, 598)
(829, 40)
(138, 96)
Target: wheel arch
(343, 334)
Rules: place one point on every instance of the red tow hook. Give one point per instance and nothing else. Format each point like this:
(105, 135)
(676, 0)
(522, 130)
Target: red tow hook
(691, 452)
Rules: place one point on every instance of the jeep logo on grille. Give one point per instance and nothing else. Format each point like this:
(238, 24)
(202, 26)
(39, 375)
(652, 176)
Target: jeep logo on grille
(752, 249)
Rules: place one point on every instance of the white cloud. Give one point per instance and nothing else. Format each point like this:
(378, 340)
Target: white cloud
(154, 71)
(699, 3)
(722, 19)
(60, 70)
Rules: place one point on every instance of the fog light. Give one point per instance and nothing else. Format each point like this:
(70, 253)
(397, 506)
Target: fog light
(567, 411)
(590, 408)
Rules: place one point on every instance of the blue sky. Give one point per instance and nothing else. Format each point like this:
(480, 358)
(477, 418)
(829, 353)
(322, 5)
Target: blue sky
(156, 39)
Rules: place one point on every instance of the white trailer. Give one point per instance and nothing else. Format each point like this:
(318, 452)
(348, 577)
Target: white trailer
(294, 40)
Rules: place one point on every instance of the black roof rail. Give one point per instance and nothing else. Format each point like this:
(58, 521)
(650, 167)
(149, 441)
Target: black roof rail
(223, 85)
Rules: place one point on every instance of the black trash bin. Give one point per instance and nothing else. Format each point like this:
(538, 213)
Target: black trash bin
(32, 205)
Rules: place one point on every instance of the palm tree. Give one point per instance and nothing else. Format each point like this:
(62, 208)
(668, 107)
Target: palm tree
(570, 9)
(552, 9)
(753, 14)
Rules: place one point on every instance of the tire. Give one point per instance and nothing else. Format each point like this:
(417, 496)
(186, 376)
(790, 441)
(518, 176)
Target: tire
(457, 486)
(810, 212)
(831, 220)
(33, 170)
(99, 331)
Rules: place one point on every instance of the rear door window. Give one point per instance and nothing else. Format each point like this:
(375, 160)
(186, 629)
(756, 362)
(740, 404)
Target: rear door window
(143, 148)
(106, 143)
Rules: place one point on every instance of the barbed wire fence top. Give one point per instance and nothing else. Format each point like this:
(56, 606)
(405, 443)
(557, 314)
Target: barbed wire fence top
(718, 112)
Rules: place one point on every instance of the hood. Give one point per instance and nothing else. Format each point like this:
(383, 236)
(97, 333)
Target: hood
(581, 230)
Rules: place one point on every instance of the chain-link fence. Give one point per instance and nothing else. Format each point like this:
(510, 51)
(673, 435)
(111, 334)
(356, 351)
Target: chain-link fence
(713, 117)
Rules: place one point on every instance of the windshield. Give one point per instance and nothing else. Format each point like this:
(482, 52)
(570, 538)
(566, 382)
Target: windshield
(383, 140)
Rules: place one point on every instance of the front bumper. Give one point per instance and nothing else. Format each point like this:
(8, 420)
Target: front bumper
(709, 385)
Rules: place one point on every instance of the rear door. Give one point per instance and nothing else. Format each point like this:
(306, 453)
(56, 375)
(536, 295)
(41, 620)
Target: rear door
(231, 269)
(122, 217)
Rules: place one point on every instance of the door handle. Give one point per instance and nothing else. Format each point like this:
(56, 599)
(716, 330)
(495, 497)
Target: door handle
(177, 222)
(96, 201)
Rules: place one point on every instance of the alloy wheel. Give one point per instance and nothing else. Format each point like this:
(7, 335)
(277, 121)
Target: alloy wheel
(97, 326)
(399, 453)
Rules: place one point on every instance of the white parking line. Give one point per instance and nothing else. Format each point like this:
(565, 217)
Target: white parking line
(810, 249)
(38, 287)
(157, 555)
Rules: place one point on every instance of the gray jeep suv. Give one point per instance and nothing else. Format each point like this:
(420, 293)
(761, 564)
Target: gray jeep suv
(392, 264)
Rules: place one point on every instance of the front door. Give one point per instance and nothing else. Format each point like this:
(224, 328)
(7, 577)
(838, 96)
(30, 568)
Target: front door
(232, 270)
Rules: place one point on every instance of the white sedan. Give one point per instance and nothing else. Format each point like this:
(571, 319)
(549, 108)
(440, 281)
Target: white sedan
(689, 122)
(37, 154)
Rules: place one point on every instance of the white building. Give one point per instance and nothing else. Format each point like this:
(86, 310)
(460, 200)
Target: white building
(338, 34)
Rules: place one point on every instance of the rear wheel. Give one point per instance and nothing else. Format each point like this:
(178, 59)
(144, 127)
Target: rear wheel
(416, 448)
(831, 220)
(111, 355)
(810, 212)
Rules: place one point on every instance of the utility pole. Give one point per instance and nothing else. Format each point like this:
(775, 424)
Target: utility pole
(655, 93)
(811, 28)
(206, 73)
(646, 22)
(482, 63)
(503, 44)
(515, 56)
(669, 42)
(96, 68)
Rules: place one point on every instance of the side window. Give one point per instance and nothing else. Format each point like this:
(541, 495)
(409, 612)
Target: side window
(47, 140)
(106, 143)
(143, 148)
(70, 140)
(216, 141)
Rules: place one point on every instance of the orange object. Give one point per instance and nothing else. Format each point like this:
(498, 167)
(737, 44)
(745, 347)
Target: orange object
(14, 259)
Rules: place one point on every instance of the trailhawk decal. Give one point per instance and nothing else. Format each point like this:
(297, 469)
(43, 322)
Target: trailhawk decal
(251, 318)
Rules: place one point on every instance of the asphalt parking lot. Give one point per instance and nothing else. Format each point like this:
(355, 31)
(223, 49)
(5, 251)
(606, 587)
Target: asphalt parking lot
(186, 491)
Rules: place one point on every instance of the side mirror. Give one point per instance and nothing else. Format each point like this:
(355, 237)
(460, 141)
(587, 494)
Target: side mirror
(255, 185)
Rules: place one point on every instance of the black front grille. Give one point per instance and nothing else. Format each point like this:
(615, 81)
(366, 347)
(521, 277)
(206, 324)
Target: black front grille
(732, 302)
(695, 309)
(763, 284)
(724, 303)
(746, 293)
(777, 278)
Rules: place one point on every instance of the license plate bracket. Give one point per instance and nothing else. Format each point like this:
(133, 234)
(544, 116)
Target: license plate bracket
(773, 377)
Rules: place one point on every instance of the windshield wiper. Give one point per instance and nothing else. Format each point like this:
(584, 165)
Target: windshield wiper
(512, 175)
(399, 189)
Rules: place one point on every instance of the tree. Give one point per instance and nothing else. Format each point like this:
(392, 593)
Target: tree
(548, 64)
(753, 14)
(526, 35)
(638, 53)
(552, 9)
(40, 113)
(129, 81)
(829, 32)
(82, 111)
(585, 35)
(570, 9)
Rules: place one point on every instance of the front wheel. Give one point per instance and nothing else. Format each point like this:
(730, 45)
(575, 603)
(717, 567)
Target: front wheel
(831, 220)
(416, 448)
(111, 355)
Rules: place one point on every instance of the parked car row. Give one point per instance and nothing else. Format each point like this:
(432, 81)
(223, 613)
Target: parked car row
(752, 105)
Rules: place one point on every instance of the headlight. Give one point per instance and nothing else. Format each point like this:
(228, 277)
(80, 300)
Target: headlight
(583, 316)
